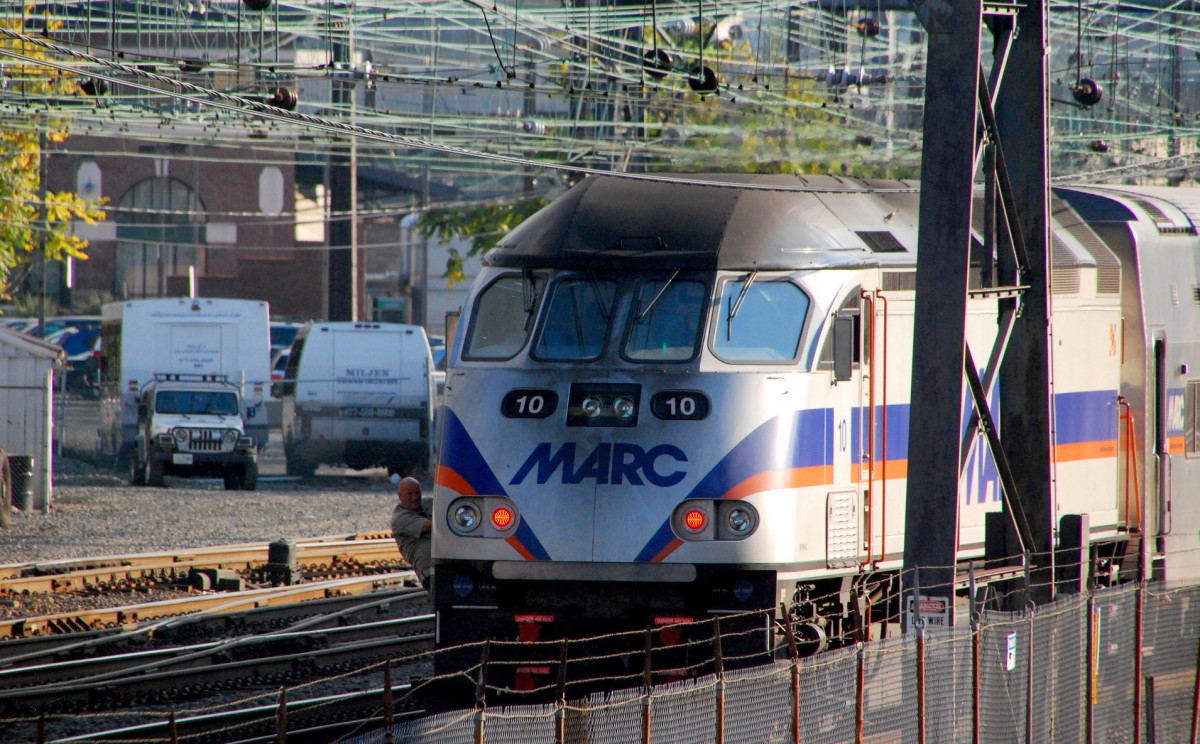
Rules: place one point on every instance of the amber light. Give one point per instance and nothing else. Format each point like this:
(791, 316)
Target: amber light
(502, 517)
(694, 520)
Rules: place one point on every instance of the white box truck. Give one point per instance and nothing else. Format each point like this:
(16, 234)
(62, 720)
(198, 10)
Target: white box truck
(183, 387)
(359, 395)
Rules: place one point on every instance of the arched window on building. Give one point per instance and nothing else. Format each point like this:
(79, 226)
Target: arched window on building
(160, 234)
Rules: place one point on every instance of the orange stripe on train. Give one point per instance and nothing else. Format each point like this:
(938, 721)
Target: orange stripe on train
(455, 482)
(517, 546)
(895, 469)
(771, 480)
(1103, 449)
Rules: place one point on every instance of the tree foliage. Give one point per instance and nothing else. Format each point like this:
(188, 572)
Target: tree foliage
(484, 225)
(31, 221)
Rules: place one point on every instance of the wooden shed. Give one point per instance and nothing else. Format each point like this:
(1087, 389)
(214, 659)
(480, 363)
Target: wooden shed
(27, 405)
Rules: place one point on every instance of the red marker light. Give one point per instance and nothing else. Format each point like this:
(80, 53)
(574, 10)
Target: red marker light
(694, 520)
(502, 517)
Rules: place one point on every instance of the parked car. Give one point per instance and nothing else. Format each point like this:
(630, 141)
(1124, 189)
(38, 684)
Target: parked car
(282, 335)
(20, 325)
(279, 362)
(57, 323)
(82, 367)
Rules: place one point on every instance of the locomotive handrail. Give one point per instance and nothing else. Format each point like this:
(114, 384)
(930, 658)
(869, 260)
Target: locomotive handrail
(1130, 463)
(867, 299)
(871, 298)
(883, 436)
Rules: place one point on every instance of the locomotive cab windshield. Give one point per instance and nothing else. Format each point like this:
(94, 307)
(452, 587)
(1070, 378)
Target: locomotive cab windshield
(756, 318)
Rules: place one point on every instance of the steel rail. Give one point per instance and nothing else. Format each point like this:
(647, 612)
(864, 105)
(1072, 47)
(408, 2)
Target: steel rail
(301, 715)
(155, 687)
(129, 616)
(203, 626)
(197, 658)
(15, 570)
(86, 573)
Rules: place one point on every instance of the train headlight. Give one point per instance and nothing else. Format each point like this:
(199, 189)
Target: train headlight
(464, 518)
(736, 520)
(739, 521)
(592, 406)
(181, 436)
(623, 407)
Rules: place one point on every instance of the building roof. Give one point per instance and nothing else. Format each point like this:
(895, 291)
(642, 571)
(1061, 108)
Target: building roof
(29, 345)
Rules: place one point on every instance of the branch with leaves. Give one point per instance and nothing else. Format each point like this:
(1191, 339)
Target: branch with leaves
(484, 225)
(33, 219)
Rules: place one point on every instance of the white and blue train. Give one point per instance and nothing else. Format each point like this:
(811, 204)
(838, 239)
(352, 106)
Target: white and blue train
(670, 401)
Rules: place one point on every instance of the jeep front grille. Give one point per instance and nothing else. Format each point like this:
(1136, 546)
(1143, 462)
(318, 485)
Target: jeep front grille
(209, 440)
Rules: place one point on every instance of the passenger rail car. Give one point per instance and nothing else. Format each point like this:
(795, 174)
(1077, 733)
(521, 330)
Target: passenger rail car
(673, 401)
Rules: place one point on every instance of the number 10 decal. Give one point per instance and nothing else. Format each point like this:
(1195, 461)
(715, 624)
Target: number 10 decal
(683, 405)
(529, 403)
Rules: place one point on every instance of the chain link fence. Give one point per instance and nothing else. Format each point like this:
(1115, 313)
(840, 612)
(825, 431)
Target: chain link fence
(1118, 665)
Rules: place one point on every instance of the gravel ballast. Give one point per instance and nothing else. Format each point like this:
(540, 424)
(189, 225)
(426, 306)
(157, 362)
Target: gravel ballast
(96, 513)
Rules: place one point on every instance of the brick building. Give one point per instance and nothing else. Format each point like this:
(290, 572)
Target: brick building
(227, 216)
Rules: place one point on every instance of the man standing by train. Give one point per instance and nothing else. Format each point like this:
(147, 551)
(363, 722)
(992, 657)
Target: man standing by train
(411, 528)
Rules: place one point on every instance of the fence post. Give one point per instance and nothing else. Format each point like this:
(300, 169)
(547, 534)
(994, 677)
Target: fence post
(976, 642)
(860, 696)
(172, 731)
(1196, 698)
(560, 712)
(647, 690)
(794, 655)
(281, 716)
(720, 668)
(388, 736)
(1029, 680)
(481, 693)
(1093, 666)
(920, 679)
(1151, 732)
(1137, 664)
(41, 728)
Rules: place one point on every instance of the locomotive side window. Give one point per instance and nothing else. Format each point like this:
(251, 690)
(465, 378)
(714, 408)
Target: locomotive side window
(502, 318)
(577, 317)
(842, 350)
(665, 321)
(759, 321)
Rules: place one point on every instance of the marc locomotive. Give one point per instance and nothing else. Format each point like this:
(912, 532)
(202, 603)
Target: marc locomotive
(673, 400)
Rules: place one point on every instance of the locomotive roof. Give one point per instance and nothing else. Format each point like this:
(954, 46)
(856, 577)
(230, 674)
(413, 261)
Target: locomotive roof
(748, 222)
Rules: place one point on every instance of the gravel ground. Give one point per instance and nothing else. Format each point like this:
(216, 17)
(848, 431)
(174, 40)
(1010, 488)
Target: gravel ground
(95, 513)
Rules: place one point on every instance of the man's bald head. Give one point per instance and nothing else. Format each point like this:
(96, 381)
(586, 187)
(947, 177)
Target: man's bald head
(409, 493)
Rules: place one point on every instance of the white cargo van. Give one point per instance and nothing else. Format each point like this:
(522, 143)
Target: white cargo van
(359, 395)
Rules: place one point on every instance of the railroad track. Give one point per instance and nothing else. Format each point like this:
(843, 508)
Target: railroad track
(281, 643)
(131, 616)
(319, 719)
(190, 672)
(141, 570)
(203, 626)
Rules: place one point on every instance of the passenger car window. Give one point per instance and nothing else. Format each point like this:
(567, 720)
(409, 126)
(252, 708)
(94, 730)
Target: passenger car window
(577, 317)
(759, 321)
(502, 318)
(666, 322)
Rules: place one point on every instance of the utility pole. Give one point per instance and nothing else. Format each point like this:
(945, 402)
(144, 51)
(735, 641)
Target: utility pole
(39, 260)
(343, 270)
